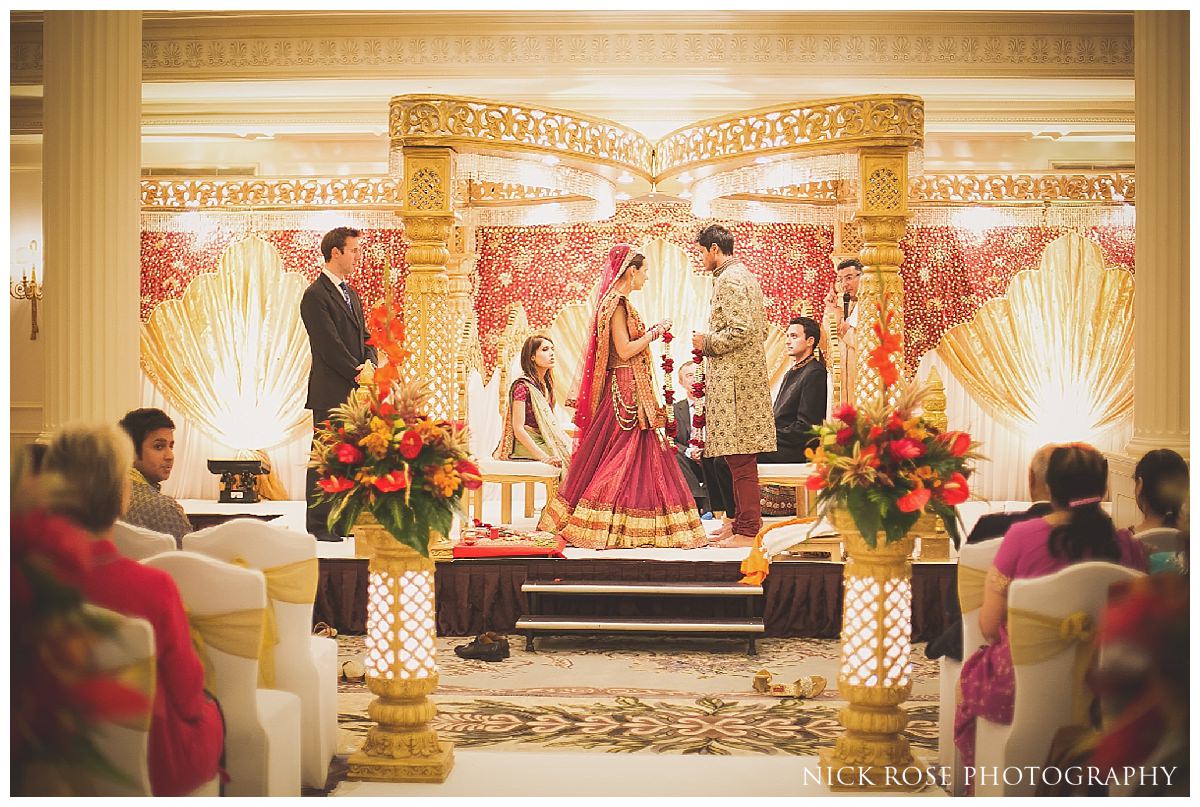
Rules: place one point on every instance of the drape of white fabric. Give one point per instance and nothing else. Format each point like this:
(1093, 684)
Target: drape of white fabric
(232, 354)
(190, 478)
(1003, 476)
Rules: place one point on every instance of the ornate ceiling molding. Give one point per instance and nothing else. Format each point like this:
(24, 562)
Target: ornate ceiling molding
(256, 45)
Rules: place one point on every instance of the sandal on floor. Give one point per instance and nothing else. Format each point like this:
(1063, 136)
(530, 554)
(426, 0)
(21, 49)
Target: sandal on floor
(324, 629)
(808, 686)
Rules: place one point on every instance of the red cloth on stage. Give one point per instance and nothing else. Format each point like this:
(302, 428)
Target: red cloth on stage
(510, 549)
(186, 732)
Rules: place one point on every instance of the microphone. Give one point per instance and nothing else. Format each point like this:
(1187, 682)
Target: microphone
(846, 305)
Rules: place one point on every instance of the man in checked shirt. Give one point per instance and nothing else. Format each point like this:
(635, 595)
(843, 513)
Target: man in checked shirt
(153, 435)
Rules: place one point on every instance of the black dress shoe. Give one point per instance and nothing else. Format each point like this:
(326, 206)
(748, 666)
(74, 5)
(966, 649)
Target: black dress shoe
(487, 646)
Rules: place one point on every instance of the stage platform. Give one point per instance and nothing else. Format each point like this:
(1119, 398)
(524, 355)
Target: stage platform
(800, 599)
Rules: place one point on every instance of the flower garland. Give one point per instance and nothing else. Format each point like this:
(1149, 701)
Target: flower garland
(698, 388)
(668, 365)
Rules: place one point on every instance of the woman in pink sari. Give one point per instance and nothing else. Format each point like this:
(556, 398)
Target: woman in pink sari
(624, 488)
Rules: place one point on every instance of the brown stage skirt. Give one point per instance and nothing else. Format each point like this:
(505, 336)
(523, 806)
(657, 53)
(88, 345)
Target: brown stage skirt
(624, 489)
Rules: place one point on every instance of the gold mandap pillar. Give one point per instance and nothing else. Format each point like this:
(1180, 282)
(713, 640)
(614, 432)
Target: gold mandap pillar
(428, 222)
(882, 215)
(875, 675)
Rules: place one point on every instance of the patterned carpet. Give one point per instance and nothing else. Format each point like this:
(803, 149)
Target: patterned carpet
(635, 695)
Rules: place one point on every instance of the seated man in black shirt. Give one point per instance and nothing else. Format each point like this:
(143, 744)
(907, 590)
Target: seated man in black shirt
(801, 401)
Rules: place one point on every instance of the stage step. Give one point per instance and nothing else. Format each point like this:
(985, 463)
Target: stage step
(541, 625)
(696, 589)
(746, 627)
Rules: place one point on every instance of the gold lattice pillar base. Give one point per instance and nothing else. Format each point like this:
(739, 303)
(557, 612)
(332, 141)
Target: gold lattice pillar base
(875, 678)
(401, 666)
(380, 767)
(871, 754)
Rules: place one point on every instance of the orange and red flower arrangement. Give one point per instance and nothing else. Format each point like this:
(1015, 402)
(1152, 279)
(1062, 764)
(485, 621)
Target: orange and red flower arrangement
(886, 464)
(381, 453)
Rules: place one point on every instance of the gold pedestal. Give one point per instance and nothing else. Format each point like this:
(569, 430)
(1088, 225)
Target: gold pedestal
(876, 673)
(401, 666)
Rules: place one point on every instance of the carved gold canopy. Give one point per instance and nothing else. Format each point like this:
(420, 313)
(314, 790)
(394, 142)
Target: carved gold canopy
(518, 156)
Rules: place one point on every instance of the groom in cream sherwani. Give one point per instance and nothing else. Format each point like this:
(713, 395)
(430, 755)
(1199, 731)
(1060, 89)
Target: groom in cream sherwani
(739, 423)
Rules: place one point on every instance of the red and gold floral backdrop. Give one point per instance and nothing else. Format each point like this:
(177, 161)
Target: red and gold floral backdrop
(948, 271)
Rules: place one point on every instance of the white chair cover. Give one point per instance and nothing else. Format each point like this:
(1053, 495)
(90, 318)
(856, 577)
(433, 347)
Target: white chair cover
(139, 543)
(126, 747)
(977, 558)
(1045, 691)
(1159, 539)
(262, 726)
(305, 665)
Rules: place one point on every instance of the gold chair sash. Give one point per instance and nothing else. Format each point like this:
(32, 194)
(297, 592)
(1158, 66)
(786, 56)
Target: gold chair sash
(970, 588)
(238, 633)
(1035, 637)
(292, 582)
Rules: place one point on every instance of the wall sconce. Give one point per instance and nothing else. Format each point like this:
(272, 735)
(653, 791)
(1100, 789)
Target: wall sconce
(28, 288)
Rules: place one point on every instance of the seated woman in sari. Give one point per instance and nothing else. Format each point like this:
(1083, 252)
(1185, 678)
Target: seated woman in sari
(1076, 530)
(531, 431)
(625, 488)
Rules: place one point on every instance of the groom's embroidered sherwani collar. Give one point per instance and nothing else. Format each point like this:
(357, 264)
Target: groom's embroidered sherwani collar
(728, 262)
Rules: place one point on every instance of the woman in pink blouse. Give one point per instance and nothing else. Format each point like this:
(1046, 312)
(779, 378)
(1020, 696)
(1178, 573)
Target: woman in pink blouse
(1076, 530)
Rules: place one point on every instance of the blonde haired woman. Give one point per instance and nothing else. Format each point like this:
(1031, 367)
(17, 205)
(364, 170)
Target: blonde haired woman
(88, 470)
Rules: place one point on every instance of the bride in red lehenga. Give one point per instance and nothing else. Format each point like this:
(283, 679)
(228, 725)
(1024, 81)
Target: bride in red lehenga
(624, 488)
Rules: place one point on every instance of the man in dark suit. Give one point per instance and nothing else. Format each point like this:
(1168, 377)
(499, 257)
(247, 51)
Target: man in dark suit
(801, 401)
(337, 334)
(994, 525)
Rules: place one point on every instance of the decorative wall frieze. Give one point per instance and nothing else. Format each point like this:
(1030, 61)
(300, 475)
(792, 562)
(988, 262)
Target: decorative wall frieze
(232, 45)
(1033, 187)
(383, 192)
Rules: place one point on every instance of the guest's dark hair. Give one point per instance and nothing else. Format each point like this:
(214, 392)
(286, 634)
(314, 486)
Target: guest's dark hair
(140, 422)
(1078, 478)
(855, 262)
(812, 330)
(1164, 477)
(532, 345)
(716, 234)
(336, 238)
